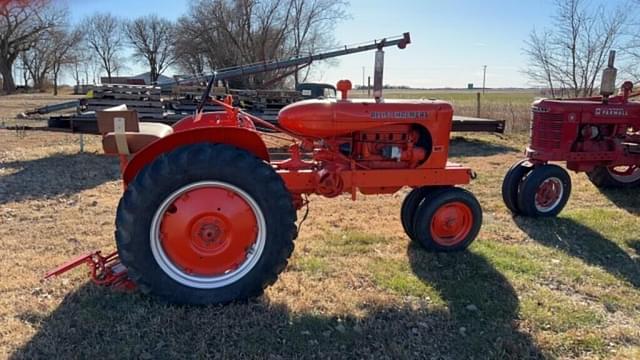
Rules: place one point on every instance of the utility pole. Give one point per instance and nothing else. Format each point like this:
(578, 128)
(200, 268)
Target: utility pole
(484, 79)
(363, 77)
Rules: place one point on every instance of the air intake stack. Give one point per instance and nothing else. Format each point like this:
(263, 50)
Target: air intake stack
(608, 85)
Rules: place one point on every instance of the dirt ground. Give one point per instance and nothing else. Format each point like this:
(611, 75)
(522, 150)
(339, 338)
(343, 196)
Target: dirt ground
(355, 287)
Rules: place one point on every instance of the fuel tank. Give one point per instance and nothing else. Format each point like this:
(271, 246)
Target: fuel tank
(333, 118)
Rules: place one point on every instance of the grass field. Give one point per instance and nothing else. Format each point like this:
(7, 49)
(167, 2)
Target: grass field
(354, 288)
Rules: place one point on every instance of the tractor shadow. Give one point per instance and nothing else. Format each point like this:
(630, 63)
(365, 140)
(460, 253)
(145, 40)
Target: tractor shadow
(626, 199)
(582, 242)
(480, 300)
(59, 174)
(635, 245)
(94, 322)
(467, 147)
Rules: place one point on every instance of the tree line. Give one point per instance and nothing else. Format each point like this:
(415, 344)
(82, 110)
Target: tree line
(38, 40)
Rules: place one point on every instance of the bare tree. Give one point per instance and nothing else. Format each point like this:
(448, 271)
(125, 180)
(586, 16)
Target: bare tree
(571, 57)
(78, 63)
(152, 39)
(311, 26)
(62, 54)
(541, 68)
(230, 33)
(38, 61)
(632, 48)
(52, 51)
(105, 40)
(189, 57)
(21, 24)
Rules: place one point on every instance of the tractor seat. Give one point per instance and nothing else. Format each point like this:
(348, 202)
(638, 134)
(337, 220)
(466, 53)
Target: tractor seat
(122, 134)
(148, 133)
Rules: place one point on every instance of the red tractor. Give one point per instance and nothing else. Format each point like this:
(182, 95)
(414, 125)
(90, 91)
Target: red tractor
(598, 135)
(207, 216)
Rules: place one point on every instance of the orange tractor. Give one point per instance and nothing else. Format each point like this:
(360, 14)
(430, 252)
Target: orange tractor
(207, 216)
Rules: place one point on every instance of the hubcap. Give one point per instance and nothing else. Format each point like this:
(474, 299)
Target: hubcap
(549, 194)
(208, 234)
(451, 223)
(625, 174)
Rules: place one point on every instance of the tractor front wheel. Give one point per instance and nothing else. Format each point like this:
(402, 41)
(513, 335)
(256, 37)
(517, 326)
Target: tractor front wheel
(205, 224)
(410, 205)
(511, 184)
(448, 220)
(545, 191)
(615, 176)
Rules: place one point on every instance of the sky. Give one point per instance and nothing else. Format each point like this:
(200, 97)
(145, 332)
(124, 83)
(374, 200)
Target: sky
(451, 39)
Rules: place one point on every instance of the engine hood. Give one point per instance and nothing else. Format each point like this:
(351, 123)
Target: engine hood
(331, 117)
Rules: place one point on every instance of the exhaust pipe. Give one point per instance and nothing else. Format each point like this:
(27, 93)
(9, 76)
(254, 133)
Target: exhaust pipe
(608, 84)
(377, 75)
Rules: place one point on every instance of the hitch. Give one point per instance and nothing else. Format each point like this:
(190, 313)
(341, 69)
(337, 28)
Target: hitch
(105, 271)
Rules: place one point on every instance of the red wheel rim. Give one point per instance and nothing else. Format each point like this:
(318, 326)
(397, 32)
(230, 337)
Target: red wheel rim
(208, 234)
(451, 223)
(625, 174)
(207, 231)
(549, 194)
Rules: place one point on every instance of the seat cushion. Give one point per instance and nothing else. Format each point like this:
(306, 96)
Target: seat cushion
(149, 132)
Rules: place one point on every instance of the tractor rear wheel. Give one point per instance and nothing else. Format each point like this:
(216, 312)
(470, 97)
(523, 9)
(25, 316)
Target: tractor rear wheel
(448, 220)
(545, 191)
(205, 224)
(615, 176)
(511, 184)
(410, 205)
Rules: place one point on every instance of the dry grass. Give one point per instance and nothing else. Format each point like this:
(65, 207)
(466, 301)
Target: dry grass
(355, 287)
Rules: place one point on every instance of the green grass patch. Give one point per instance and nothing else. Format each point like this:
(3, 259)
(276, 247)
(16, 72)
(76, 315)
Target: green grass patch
(397, 277)
(313, 265)
(513, 261)
(578, 344)
(350, 242)
(553, 311)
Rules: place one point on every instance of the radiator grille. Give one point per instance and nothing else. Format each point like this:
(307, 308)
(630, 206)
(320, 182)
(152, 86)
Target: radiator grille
(546, 130)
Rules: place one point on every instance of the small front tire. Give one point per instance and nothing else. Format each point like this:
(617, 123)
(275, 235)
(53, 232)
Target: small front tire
(448, 221)
(410, 205)
(545, 191)
(511, 184)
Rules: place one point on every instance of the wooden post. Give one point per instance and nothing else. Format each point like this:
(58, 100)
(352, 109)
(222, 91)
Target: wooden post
(478, 104)
(81, 142)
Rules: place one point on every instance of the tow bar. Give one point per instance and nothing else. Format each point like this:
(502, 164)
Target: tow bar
(105, 271)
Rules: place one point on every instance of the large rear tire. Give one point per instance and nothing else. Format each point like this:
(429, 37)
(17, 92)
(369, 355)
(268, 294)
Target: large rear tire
(205, 224)
(615, 176)
(448, 220)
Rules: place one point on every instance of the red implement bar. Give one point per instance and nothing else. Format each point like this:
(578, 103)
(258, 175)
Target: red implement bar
(104, 270)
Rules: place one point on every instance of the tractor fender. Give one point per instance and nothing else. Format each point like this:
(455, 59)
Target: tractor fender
(242, 138)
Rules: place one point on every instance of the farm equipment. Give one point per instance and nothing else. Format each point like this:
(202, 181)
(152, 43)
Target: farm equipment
(153, 105)
(599, 136)
(207, 217)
